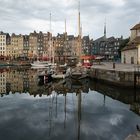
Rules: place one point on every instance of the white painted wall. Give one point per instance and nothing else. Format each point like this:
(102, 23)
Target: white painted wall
(139, 54)
(138, 32)
(133, 35)
(128, 54)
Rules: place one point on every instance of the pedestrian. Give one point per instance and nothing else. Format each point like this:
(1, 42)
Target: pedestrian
(138, 128)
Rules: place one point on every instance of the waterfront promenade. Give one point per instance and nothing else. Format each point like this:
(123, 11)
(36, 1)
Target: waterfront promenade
(116, 73)
(118, 66)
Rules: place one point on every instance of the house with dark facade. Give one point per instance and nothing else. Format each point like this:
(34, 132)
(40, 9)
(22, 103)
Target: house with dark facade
(86, 45)
(107, 47)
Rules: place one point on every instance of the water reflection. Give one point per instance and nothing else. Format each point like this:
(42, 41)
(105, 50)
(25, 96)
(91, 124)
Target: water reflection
(25, 80)
(127, 96)
(30, 80)
(67, 109)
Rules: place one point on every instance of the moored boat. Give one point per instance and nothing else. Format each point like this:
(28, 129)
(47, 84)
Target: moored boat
(77, 73)
(39, 64)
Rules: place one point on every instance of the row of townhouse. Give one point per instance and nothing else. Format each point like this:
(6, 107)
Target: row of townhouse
(43, 45)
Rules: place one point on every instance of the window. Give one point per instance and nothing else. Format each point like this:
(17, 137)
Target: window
(124, 59)
(132, 60)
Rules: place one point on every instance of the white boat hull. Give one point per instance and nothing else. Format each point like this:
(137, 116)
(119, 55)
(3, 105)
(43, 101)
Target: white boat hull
(58, 76)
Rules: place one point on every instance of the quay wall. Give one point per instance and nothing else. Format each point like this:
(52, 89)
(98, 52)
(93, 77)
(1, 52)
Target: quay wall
(118, 78)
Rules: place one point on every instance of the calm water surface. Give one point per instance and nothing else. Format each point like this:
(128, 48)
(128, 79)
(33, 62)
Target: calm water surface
(31, 109)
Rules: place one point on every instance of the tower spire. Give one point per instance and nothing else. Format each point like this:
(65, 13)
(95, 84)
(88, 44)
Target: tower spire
(105, 29)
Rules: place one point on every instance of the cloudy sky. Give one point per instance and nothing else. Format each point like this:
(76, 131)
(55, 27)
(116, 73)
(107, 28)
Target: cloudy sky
(24, 16)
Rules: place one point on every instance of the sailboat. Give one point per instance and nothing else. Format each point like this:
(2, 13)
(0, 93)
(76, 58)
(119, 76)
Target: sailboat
(78, 73)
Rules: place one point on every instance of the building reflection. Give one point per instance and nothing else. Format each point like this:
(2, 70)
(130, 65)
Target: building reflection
(127, 96)
(23, 80)
(19, 80)
(29, 80)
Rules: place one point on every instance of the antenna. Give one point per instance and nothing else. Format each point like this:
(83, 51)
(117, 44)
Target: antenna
(105, 28)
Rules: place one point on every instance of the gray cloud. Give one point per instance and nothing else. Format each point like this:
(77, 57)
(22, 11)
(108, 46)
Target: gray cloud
(121, 15)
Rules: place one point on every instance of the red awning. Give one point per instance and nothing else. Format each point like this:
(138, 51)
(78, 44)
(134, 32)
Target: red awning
(88, 57)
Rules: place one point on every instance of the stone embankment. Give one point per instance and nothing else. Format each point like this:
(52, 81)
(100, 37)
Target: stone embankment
(115, 74)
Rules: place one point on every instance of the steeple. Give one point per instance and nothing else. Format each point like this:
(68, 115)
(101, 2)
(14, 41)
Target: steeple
(105, 29)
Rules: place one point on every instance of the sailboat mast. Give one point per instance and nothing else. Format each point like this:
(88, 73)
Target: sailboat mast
(51, 40)
(65, 26)
(79, 20)
(79, 113)
(65, 110)
(79, 32)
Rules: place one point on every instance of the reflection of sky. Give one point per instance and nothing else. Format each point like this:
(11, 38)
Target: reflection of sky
(25, 117)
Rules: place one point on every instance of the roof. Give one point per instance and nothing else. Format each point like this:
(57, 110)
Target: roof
(2, 33)
(137, 26)
(132, 44)
(100, 39)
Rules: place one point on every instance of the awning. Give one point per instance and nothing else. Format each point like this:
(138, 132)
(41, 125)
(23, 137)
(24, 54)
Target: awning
(88, 57)
(99, 57)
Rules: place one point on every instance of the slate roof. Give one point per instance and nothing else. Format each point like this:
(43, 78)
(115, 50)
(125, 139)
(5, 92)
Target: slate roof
(132, 44)
(136, 27)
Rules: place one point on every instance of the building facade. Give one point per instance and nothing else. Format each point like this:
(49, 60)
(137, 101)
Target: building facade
(107, 47)
(44, 46)
(86, 45)
(130, 54)
(4, 41)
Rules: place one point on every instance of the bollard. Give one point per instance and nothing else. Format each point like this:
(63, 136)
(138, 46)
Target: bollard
(113, 65)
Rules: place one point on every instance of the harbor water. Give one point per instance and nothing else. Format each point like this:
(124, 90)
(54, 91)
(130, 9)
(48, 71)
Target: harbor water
(34, 108)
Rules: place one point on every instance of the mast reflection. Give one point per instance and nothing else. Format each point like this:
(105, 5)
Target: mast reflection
(27, 80)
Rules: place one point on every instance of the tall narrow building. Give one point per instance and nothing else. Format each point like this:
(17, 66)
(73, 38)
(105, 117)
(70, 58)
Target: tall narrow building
(4, 40)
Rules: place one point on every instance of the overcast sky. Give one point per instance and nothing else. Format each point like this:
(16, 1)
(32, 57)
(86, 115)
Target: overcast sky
(24, 16)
